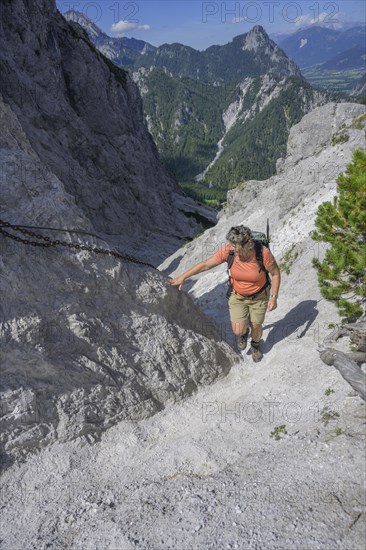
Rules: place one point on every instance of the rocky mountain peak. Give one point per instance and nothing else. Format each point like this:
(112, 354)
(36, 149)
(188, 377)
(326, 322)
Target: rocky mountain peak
(258, 29)
(267, 53)
(77, 17)
(255, 39)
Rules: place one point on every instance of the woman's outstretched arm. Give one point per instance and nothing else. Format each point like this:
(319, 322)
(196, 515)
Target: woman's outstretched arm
(198, 268)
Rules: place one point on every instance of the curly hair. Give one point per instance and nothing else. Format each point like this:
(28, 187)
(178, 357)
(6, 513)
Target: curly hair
(242, 235)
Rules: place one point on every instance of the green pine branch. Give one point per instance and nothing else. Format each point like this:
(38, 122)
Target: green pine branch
(342, 224)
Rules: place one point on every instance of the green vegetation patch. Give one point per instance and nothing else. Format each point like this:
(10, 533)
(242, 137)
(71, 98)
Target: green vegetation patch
(288, 259)
(278, 432)
(215, 198)
(359, 122)
(341, 224)
(333, 80)
(340, 137)
(327, 415)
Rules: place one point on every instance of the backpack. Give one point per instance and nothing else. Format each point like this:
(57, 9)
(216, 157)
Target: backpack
(260, 240)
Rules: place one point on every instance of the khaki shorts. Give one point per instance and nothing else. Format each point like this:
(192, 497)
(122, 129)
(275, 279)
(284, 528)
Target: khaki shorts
(242, 309)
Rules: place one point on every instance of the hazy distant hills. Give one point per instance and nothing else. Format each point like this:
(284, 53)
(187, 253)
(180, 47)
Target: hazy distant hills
(354, 58)
(317, 45)
(329, 59)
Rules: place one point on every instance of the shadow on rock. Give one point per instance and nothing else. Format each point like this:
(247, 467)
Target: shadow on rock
(171, 267)
(214, 303)
(304, 313)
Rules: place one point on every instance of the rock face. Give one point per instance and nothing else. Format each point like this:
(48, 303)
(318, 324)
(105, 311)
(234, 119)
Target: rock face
(258, 42)
(87, 340)
(83, 117)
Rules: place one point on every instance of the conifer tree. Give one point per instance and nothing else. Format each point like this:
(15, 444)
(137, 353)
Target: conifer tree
(342, 224)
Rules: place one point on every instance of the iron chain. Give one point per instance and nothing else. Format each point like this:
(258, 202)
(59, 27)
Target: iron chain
(50, 243)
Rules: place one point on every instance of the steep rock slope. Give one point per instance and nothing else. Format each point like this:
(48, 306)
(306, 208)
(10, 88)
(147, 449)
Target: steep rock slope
(269, 457)
(86, 339)
(83, 117)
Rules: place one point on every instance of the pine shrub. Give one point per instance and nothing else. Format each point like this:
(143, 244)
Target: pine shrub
(342, 224)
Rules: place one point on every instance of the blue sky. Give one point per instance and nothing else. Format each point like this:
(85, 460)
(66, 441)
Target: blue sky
(200, 24)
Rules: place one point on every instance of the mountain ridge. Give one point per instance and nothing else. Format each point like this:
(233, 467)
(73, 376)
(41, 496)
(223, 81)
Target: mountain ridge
(188, 94)
(316, 45)
(162, 56)
(354, 58)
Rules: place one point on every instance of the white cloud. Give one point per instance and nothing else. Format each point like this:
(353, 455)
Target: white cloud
(305, 20)
(122, 27)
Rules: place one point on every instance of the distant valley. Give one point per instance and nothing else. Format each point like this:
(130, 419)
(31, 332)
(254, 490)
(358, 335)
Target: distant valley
(330, 59)
(222, 115)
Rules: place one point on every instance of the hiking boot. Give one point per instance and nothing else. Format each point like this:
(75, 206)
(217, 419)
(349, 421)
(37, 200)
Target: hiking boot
(256, 352)
(241, 341)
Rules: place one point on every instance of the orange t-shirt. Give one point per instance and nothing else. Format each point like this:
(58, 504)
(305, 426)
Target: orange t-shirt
(245, 276)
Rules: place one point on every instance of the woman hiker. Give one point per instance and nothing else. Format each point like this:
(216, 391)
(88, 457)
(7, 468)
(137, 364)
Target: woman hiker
(250, 297)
